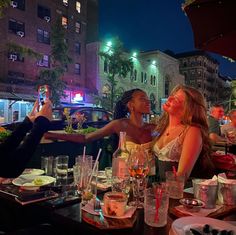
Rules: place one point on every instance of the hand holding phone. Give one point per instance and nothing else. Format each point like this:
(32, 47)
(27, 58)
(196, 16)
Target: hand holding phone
(43, 94)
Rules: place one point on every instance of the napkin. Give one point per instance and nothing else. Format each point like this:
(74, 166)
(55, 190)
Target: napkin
(212, 181)
(203, 212)
(223, 179)
(89, 207)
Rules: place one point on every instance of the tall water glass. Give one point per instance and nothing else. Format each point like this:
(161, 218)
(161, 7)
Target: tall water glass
(62, 169)
(156, 203)
(47, 164)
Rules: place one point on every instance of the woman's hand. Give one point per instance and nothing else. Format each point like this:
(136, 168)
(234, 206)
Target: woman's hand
(46, 111)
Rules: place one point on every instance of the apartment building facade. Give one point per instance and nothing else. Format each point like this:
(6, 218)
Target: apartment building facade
(202, 72)
(28, 23)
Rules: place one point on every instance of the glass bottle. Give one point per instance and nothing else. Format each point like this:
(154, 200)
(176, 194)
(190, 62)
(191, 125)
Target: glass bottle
(120, 157)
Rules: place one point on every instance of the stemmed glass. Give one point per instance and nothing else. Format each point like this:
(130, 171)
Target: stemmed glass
(138, 169)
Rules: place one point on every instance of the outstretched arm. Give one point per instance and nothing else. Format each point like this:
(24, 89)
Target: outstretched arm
(192, 146)
(107, 130)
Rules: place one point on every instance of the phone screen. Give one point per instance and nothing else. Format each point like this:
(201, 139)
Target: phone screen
(43, 94)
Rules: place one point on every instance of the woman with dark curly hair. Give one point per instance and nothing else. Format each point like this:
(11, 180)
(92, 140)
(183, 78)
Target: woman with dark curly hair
(128, 117)
(183, 132)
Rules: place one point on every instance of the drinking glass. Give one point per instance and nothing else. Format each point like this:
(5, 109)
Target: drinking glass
(156, 203)
(89, 179)
(47, 165)
(175, 184)
(108, 173)
(138, 169)
(119, 184)
(61, 169)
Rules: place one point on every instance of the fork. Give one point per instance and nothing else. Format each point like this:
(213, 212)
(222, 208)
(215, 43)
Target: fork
(98, 208)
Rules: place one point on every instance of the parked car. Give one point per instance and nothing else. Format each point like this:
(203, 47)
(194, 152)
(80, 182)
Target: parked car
(95, 117)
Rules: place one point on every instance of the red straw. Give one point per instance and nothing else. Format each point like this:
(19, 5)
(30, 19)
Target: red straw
(158, 201)
(174, 171)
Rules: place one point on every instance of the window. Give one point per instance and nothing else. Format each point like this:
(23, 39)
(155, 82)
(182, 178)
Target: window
(65, 2)
(15, 56)
(16, 27)
(19, 4)
(167, 86)
(77, 68)
(78, 6)
(44, 13)
(77, 48)
(78, 27)
(145, 78)
(15, 74)
(154, 81)
(142, 77)
(135, 75)
(43, 36)
(105, 66)
(23, 110)
(44, 62)
(64, 22)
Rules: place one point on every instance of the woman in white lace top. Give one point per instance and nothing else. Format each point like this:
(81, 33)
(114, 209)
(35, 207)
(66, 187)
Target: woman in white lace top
(183, 131)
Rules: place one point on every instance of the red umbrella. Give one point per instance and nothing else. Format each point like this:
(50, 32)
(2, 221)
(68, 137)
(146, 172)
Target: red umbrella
(214, 25)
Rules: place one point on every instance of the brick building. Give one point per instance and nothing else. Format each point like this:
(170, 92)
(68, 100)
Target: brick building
(28, 23)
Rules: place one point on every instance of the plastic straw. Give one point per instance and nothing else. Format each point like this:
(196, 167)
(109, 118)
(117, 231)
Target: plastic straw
(94, 167)
(174, 171)
(158, 202)
(84, 152)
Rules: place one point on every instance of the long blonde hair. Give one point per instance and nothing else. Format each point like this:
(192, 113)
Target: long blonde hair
(195, 114)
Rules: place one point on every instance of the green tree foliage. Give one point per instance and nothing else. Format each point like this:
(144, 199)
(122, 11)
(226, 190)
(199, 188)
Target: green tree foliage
(22, 50)
(59, 61)
(4, 4)
(118, 67)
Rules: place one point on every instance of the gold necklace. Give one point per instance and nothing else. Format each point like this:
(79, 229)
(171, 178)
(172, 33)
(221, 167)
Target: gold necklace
(170, 129)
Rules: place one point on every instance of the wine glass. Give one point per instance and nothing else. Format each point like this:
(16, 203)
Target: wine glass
(138, 169)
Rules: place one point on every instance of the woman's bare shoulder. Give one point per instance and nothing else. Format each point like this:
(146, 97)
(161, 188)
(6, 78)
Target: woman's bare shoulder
(193, 130)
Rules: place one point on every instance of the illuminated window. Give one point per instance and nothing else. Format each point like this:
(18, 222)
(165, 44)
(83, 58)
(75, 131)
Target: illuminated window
(64, 21)
(78, 6)
(145, 78)
(44, 62)
(78, 27)
(77, 48)
(77, 68)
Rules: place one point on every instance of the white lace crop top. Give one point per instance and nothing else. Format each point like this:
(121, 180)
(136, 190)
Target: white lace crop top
(172, 151)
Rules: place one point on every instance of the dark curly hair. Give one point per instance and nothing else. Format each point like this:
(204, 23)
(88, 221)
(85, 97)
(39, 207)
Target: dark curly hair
(121, 109)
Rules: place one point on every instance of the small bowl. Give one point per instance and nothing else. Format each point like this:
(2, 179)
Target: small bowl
(192, 204)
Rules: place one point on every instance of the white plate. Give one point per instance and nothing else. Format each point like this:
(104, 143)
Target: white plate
(182, 225)
(28, 181)
(29, 171)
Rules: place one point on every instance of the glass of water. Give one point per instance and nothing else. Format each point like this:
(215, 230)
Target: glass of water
(156, 203)
(62, 169)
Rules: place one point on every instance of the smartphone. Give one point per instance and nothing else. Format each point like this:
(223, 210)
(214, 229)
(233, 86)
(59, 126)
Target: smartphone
(43, 94)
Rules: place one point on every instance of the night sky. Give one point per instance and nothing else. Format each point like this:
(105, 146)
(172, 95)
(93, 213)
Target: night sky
(151, 25)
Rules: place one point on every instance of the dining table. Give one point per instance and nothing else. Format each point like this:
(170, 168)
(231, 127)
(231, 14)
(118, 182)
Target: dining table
(66, 215)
